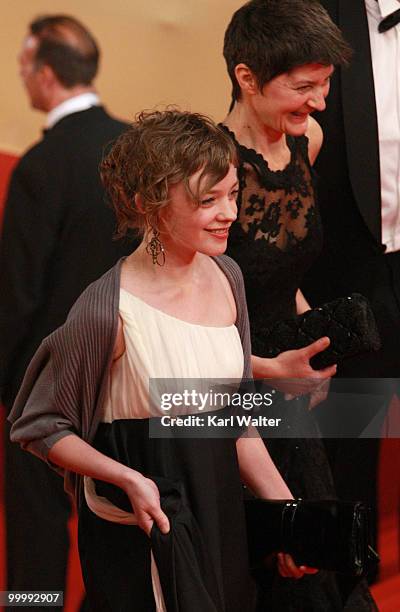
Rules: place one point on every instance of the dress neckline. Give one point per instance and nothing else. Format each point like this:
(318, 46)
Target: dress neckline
(261, 161)
(165, 314)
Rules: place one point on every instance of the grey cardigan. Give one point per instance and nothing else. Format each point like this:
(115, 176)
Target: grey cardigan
(64, 386)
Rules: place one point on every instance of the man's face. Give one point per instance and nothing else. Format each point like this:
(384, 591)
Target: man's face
(30, 74)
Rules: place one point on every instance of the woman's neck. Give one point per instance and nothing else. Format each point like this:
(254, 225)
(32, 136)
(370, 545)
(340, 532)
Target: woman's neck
(177, 269)
(251, 132)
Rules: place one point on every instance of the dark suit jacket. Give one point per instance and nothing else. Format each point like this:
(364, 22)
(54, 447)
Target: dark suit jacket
(349, 197)
(57, 236)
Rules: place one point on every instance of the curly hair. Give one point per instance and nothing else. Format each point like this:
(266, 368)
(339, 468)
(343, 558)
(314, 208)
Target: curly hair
(273, 36)
(160, 149)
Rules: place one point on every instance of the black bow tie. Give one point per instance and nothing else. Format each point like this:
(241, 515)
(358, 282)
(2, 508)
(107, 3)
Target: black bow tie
(390, 21)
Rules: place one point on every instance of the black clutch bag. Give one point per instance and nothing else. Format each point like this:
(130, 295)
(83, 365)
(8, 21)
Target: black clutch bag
(348, 322)
(326, 534)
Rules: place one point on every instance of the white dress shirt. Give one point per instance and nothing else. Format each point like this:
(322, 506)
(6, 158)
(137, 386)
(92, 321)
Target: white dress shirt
(385, 49)
(72, 105)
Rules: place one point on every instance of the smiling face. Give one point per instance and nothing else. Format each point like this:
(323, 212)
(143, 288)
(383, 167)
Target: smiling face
(188, 227)
(285, 103)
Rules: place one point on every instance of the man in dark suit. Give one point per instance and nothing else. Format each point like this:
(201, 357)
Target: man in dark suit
(57, 238)
(360, 206)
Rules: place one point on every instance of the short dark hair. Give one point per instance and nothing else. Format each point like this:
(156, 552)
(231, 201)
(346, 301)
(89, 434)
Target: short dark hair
(67, 47)
(273, 36)
(160, 149)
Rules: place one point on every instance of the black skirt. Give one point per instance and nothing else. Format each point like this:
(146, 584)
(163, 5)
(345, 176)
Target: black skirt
(203, 561)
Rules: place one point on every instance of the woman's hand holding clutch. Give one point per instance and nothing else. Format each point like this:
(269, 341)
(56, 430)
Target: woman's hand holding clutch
(288, 569)
(291, 370)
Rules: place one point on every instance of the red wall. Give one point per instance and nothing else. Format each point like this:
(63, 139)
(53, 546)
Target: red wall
(7, 163)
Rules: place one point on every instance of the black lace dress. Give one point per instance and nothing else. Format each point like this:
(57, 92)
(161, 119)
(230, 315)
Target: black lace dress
(275, 239)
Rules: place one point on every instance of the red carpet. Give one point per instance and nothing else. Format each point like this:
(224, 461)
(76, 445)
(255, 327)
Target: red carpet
(387, 591)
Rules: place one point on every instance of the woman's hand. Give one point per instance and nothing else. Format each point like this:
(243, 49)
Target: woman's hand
(288, 569)
(145, 499)
(296, 363)
(73, 453)
(291, 370)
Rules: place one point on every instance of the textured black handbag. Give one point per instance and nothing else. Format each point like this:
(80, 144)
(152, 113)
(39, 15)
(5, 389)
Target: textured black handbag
(325, 534)
(348, 322)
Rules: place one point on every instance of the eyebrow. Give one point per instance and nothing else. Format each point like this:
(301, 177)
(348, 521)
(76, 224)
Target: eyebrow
(305, 82)
(213, 190)
(311, 82)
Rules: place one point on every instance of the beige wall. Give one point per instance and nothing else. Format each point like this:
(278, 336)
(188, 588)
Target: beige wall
(153, 52)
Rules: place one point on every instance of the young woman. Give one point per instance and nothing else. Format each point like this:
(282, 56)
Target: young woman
(174, 308)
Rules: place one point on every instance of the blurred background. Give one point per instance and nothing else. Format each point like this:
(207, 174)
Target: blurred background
(153, 52)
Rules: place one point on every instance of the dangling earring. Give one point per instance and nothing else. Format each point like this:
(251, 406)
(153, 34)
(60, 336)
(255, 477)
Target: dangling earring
(155, 248)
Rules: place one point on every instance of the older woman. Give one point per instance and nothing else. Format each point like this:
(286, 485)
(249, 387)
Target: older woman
(174, 308)
(280, 55)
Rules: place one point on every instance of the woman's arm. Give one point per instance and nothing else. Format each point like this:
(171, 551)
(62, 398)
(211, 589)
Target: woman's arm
(73, 453)
(262, 477)
(258, 471)
(301, 303)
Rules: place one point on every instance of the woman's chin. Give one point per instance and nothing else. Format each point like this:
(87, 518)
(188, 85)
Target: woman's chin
(216, 250)
(297, 125)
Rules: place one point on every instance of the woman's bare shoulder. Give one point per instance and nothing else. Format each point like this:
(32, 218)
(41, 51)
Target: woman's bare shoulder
(315, 138)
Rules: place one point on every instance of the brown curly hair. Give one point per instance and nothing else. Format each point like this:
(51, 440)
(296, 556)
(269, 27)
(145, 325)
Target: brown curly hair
(160, 149)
